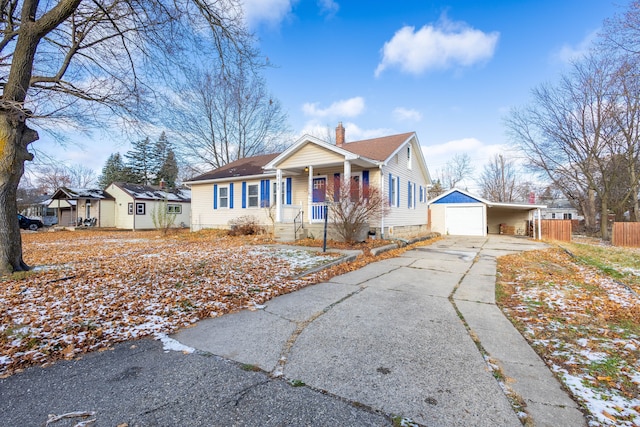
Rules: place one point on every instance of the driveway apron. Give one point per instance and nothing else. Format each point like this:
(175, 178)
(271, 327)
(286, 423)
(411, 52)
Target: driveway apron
(395, 336)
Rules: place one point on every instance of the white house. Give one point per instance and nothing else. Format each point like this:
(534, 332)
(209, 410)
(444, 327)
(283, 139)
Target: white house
(135, 204)
(290, 188)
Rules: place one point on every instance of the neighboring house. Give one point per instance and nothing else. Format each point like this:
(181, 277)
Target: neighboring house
(38, 208)
(457, 212)
(136, 204)
(278, 188)
(74, 205)
(561, 209)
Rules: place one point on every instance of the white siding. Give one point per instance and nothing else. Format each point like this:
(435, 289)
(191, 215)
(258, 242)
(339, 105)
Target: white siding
(205, 216)
(402, 215)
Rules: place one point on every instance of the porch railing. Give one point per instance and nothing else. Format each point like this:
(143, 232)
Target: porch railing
(317, 212)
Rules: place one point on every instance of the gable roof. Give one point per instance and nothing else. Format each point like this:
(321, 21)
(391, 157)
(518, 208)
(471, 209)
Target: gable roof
(80, 193)
(379, 149)
(146, 192)
(456, 195)
(243, 167)
(366, 152)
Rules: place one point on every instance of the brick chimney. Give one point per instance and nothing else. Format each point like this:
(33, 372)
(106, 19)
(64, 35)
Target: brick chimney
(340, 135)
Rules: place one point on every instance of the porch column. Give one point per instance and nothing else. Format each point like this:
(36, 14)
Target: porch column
(539, 224)
(278, 195)
(310, 194)
(347, 172)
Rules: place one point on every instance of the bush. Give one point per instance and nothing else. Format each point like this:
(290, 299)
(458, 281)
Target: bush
(247, 225)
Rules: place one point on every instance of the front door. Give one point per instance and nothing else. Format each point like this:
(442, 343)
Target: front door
(317, 198)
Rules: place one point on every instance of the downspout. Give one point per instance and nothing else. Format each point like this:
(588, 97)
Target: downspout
(382, 204)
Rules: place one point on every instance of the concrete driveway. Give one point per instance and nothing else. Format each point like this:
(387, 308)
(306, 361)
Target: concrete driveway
(395, 336)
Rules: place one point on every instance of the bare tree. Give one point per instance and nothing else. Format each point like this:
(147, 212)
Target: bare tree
(223, 117)
(569, 132)
(81, 62)
(353, 208)
(500, 180)
(457, 169)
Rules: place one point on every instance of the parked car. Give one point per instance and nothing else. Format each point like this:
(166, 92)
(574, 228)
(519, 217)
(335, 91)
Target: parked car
(28, 223)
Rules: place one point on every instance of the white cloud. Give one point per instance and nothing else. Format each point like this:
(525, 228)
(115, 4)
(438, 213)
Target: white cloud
(268, 12)
(568, 53)
(351, 107)
(442, 45)
(327, 132)
(407, 115)
(328, 7)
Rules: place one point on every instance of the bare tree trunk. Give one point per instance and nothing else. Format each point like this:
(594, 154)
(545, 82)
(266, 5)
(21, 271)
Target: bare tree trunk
(604, 221)
(15, 136)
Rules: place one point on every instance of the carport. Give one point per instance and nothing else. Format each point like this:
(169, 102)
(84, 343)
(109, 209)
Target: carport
(460, 213)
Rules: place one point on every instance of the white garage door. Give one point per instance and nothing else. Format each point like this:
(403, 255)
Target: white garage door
(465, 220)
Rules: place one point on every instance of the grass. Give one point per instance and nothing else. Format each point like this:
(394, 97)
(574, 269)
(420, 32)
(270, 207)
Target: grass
(570, 305)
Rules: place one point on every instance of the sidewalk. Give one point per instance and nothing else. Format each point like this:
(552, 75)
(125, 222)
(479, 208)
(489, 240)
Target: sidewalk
(389, 336)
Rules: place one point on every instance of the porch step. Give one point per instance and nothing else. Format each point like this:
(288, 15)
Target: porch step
(286, 233)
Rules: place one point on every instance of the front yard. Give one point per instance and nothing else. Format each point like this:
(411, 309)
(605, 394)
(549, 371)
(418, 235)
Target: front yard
(579, 307)
(91, 289)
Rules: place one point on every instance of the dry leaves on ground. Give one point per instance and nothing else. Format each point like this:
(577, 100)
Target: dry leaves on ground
(91, 288)
(584, 324)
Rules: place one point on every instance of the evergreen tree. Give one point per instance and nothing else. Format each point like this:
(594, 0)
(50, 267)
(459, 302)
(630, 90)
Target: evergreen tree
(159, 156)
(169, 170)
(114, 170)
(139, 161)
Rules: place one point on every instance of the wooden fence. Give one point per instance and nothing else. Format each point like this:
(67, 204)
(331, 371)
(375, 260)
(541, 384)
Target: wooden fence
(556, 229)
(626, 234)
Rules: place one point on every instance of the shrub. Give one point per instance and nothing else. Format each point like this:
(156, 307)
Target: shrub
(247, 225)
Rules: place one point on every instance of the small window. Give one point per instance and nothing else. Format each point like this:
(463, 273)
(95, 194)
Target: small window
(140, 208)
(409, 157)
(252, 195)
(355, 188)
(130, 208)
(567, 216)
(553, 216)
(393, 188)
(223, 198)
(174, 209)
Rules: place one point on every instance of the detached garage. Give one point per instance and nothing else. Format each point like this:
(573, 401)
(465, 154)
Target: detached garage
(460, 213)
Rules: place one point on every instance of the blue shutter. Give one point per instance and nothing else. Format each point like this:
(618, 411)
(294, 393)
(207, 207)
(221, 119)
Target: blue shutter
(244, 194)
(215, 196)
(409, 194)
(231, 195)
(288, 191)
(398, 192)
(264, 193)
(365, 184)
(390, 192)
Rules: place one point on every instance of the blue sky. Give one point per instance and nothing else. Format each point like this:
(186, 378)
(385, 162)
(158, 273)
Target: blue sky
(448, 70)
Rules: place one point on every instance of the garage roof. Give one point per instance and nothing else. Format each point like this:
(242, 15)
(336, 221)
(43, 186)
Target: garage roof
(456, 195)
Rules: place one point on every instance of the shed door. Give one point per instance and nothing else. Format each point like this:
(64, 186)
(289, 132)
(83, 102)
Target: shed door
(465, 220)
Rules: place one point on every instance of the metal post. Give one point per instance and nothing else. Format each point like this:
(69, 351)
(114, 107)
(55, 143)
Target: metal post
(324, 242)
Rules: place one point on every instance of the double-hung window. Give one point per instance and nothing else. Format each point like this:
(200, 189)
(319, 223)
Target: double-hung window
(393, 190)
(223, 197)
(253, 195)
